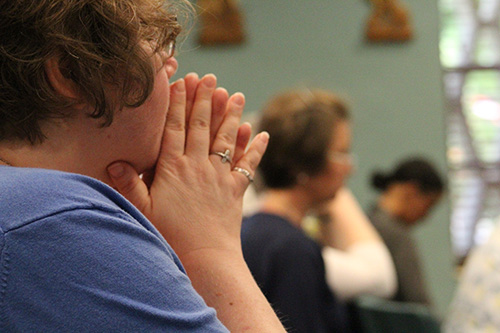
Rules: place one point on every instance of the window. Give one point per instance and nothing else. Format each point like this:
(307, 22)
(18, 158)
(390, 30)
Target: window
(470, 57)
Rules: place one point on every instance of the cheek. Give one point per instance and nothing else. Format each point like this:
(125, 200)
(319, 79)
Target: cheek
(160, 96)
(332, 179)
(149, 120)
(419, 211)
(156, 107)
(340, 172)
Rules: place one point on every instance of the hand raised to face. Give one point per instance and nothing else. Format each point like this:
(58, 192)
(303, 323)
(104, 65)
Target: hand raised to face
(194, 198)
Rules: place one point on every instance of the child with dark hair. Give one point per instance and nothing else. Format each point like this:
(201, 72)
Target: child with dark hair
(408, 193)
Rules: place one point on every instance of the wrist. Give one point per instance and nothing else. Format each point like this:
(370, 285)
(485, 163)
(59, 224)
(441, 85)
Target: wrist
(211, 256)
(324, 218)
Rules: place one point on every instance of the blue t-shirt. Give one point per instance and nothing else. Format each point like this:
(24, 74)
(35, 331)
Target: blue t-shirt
(75, 256)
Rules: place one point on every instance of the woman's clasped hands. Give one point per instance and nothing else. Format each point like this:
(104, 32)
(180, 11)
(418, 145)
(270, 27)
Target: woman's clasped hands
(194, 195)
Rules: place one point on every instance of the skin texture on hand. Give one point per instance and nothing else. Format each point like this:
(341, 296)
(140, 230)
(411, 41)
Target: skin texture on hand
(195, 200)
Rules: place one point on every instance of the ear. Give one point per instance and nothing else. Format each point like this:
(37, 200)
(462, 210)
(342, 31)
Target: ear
(61, 84)
(302, 178)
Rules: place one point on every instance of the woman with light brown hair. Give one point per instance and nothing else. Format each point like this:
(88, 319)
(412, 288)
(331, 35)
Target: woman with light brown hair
(305, 165)
(86, 105)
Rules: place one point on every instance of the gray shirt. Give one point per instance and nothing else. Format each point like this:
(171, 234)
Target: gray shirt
(397, 236)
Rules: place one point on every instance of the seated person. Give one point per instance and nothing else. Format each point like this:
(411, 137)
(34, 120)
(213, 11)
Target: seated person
(301, 172)
(357, 262)
(86, 104)
(407, 195)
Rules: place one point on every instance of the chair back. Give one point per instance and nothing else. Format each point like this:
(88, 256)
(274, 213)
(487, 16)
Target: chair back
(376, 315)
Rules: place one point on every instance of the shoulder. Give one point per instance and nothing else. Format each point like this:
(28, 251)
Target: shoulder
(271, 237)
(274, 229)
(101, 267)
(28, 195)
(66, 211)
(74, 248)
(386, 225)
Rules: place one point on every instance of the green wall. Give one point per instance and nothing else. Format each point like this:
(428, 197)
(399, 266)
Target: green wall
(394, 90)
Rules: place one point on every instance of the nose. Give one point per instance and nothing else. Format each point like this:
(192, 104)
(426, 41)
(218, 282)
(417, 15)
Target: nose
(171, 66)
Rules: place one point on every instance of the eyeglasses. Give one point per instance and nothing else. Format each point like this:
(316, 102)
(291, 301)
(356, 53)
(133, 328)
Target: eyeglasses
(343, 158)
(170, 49)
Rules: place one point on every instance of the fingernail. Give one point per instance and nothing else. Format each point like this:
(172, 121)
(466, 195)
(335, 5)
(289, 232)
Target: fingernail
(222, 89)
(116, 170)
(179, 85)
(264, 137)
(239, 99)
(209, 80)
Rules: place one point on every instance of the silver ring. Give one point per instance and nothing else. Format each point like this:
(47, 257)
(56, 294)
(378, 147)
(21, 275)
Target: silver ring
(245, 172)
(225, 156)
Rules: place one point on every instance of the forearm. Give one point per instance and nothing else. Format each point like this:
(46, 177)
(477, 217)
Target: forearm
(226, 284)
(348, 224)
(364, 269)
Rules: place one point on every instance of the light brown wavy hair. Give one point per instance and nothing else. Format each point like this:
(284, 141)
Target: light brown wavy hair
(99, 44)
(301, 124)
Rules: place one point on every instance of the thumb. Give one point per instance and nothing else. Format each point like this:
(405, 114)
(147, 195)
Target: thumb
(127, 181)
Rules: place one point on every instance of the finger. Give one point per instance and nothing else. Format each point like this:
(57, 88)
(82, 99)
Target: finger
(171, 66)
(251, 158)
(174, 135)
(127, 181)
(242, 139)
(226, 136)
(148, 178)
(219, 102)
(191, 80)
(198, 134)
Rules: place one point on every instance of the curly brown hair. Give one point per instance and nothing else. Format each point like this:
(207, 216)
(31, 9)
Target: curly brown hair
(300, 123)
(99, 44)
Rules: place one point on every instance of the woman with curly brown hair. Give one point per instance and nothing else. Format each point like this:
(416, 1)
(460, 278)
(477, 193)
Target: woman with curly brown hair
(86, 105)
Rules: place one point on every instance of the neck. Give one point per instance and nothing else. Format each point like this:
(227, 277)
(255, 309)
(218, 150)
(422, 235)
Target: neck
(286, 203)
(7, 154)
(4, 162)
(50, 154)
(75, 144)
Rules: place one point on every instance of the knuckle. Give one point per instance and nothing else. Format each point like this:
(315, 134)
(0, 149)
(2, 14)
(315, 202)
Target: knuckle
(199, 123)
(251, 162)
(225, 137)
(178, 126)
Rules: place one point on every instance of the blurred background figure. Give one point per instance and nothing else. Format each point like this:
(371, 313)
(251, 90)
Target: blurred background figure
(357, 262)
(408, 192)
(303, 173)
(476, 304)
